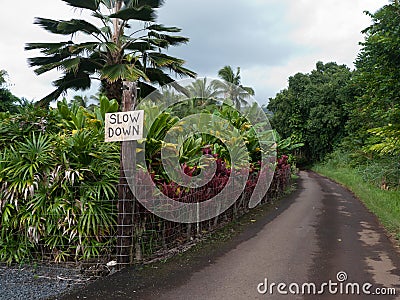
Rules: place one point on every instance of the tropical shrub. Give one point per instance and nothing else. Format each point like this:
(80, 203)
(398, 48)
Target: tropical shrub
(57, 184)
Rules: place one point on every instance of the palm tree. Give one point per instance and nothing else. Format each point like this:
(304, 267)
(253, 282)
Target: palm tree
(128, 45)
(231, 86)
(202, 88)
(80, 101)
(7, 100)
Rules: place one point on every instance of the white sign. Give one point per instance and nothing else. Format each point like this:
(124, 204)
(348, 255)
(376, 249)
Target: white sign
(124, 126)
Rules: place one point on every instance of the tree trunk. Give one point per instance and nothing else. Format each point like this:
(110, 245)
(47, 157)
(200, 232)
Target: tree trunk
(126, 199)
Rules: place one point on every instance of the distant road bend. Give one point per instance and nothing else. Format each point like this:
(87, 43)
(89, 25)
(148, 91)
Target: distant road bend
(324, 237)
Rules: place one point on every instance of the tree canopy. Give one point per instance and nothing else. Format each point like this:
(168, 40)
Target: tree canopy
(124, 42)
(312, 109)
(375, 118)
(7, 99)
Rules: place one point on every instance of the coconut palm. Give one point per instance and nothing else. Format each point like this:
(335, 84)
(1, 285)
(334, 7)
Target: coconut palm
(202, 88)
(128, 45)
(231, 87)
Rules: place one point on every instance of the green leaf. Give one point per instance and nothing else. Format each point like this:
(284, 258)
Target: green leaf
(66, 27)
(140, 3)
(141, 46)
(79, 48)
(109, 3)
(46, 63)
(76, 81)
(87, 4)
(165, 40)
(71, 64)
(113, 73)
(160, 27)
(75, 25)
(144, 13)
(47, 47)
(48, 24)
(162, 60)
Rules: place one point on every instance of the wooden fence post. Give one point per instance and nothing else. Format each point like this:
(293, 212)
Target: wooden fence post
(126, 199)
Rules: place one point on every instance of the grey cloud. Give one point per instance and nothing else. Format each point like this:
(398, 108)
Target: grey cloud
(236, 33)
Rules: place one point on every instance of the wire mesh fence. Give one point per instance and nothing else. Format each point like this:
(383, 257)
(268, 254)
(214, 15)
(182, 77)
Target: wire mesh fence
(92, 233)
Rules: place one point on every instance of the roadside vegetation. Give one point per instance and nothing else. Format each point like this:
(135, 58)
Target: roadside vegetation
(382, 202)
(58, 179)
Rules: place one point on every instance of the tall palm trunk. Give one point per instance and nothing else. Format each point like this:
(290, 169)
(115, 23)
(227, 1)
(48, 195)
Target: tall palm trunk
(117, 28)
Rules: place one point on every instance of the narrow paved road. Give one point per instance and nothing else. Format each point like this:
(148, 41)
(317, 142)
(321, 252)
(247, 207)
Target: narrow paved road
(320, 236)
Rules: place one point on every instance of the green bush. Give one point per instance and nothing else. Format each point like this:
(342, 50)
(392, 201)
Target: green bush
(57, 183)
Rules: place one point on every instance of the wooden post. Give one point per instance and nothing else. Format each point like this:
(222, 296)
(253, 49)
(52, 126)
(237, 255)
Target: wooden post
(126, 199)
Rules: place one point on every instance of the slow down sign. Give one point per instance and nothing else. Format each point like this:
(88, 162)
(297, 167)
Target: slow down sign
(124, 126)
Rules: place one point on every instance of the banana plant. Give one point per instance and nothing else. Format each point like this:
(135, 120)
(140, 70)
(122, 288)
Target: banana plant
(105, 106)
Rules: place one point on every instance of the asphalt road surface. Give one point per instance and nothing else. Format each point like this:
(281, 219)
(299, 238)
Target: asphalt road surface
(321, 243)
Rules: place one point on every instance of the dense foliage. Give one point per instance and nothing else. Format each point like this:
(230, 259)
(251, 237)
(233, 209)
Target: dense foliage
(7, 100)
(374, 125)
(313, 109)
(58, 179)
(57, 183)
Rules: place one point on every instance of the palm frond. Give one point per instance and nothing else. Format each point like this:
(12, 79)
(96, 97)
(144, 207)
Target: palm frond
(226, 73)
(162, 28)
(248, 90)
(140, 46)
(45, 101)
(165, 40)
(145, 89)
(88, 4)
(75, 25)
(158, 76)
(144, 13)
(48, 24)
(162, 60)
(141, 3)
(182, 71)
(71, 65)
(79, 48)
(42, 61)
(48, 48)
(115, 72)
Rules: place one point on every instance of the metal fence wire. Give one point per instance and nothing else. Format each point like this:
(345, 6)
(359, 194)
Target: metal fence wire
(70, 226)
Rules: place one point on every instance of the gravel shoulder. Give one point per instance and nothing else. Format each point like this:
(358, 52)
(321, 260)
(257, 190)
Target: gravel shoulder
(38, 281)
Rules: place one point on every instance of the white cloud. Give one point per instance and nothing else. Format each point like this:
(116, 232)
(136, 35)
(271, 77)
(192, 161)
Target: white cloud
(16, 33)
(330, 29)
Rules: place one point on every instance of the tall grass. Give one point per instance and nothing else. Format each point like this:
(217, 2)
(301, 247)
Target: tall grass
(362, 181)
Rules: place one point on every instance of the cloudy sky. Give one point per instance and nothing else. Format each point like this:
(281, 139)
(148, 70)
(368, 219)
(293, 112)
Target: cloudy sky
(269, 39)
